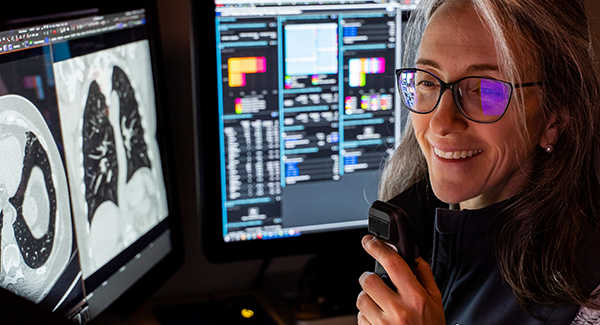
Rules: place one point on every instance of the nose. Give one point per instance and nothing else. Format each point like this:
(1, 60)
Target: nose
(446, 118)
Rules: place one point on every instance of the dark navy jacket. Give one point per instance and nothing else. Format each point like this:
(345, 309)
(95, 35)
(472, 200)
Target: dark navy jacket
(459, 245)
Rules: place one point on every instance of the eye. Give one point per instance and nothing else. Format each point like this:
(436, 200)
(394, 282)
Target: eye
(473, 88)
(476, 90)
(426, 83)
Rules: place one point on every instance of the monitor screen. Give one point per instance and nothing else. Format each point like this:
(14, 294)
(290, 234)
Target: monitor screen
(297, 110)
(84, 205)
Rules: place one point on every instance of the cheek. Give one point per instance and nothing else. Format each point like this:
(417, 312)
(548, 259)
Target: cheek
(503, 144)
(420, 123)
(514, 138)
(534, 123)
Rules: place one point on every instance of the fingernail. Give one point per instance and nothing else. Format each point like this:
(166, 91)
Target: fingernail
(363, 276)
(367, 239)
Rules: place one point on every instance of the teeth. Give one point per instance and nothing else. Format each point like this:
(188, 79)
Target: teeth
(456, 154)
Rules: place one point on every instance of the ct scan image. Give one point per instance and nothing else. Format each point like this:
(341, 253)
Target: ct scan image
(108, 119)
(35, 217)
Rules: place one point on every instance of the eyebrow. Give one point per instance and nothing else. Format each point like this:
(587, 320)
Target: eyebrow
(430, 63)
(471, 68)
(483, 67)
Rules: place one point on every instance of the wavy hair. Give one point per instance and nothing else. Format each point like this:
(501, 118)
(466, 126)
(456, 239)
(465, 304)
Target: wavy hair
(539, 239)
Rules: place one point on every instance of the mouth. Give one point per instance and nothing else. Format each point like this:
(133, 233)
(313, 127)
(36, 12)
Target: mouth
(456, 154)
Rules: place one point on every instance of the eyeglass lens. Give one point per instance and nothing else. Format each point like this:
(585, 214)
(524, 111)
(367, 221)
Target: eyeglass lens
(479, 99)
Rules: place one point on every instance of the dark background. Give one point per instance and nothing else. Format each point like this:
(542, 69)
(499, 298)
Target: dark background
(198, 276)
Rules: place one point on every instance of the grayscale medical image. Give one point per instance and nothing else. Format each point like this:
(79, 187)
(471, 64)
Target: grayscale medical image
(108, 120)
(35, 216)
(100, 164)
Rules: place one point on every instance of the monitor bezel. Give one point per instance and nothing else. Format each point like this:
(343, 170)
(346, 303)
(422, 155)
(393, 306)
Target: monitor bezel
(40, 12)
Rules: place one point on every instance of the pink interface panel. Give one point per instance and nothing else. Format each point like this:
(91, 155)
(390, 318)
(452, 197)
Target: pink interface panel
(239, 67)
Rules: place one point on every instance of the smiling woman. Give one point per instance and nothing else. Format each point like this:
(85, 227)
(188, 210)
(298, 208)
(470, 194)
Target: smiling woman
(456, 46)
(504, 98)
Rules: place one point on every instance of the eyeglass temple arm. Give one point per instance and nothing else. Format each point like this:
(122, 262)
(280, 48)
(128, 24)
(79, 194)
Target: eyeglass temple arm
(529, 84)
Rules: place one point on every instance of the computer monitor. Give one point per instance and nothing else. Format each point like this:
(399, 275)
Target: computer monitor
(86, 211)
(297, 109)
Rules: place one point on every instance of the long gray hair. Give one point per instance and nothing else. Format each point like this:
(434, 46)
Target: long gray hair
(537, 244)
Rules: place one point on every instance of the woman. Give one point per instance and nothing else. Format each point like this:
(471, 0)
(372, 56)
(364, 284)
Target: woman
(504, 127)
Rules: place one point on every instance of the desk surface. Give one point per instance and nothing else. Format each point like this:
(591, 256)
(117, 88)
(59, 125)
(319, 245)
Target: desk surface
(150, 312)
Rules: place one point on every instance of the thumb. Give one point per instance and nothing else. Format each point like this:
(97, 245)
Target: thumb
(425, 277)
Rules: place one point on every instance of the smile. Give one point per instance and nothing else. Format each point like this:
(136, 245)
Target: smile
(455, 154)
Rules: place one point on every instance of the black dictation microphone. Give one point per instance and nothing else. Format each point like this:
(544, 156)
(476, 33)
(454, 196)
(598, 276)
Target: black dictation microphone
(391, 224)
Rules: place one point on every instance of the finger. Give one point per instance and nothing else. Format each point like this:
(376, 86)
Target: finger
(397, 269)
(376, 291)
(368, 308)
(362, 320)
(425, 277)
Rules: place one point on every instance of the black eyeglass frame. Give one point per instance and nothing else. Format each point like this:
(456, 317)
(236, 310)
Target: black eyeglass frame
(451, 86)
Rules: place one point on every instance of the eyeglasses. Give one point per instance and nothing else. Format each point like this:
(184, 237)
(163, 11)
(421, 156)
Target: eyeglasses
(480, 99)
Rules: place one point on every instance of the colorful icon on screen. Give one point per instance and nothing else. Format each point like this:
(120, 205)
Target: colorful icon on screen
(238, 106)
(239, 67)
(375, 102)
(314, 79)
(365, 102)
(386, 102)
(350, 103)
(359, 68)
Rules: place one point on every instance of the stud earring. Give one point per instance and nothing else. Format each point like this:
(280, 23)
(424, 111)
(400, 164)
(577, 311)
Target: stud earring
(549, 148)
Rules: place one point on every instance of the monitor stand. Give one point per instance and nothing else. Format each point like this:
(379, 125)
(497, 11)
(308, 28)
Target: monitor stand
(328, 288)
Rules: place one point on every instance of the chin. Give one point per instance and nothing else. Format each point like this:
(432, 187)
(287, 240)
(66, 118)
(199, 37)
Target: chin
(451, 194)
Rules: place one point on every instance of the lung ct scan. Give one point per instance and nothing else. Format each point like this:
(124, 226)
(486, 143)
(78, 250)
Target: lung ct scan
(35, 218)
(106, 101)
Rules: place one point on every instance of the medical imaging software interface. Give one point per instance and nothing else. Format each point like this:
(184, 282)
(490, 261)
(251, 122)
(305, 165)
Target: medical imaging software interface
(308, 112)
(80, 179)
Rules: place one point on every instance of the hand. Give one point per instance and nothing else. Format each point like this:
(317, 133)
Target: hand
(417, 301)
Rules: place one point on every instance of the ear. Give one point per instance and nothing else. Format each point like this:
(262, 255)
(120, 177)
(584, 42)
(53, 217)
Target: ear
(554, 128)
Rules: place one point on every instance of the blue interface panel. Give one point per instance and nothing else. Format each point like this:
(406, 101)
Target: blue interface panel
(308, 112)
